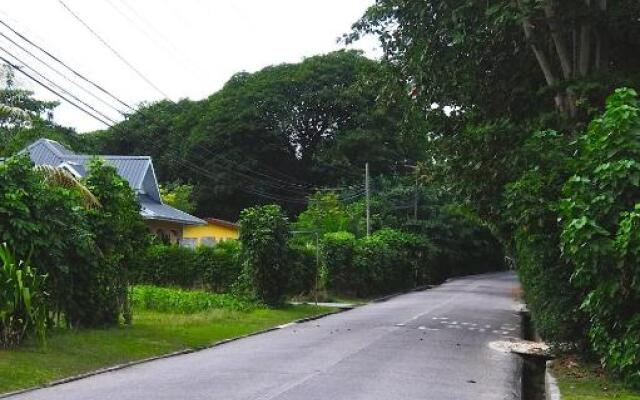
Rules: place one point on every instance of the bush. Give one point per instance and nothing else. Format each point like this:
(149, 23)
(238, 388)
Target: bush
(264, 232)
(170, 265)
(303, 270)
(600, 235)
(216, 268)
(184, 301)
(121, 236)
(337, 256)
(372, 260)
(85, 252)
(533, 223)
(220, 265)
(23, 301)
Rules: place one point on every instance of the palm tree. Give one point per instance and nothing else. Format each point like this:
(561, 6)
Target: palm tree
(60, 177)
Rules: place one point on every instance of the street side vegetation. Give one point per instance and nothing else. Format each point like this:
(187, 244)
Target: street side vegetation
(533, 121)
(84, 284)
(491, 129)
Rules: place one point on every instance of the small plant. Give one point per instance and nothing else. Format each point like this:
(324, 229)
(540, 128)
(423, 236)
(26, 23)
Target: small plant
(184, 301)
(23, 301)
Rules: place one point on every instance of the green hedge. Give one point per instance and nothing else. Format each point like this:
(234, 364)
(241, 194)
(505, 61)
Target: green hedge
(338, 249)
(215, 268)
(302, 268)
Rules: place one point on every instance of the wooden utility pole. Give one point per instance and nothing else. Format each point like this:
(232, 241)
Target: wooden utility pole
(415, 198)
(368, 190)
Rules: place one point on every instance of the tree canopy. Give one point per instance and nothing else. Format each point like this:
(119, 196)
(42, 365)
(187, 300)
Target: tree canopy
(273, 135)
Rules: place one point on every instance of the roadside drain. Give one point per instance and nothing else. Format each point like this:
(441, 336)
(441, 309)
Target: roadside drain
(534, 354)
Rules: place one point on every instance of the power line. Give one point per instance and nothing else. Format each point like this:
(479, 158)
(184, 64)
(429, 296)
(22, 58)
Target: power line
(17, 68)
(113, 50)
(155, 36)
(59, 87)
(76, 73)
(41, 61)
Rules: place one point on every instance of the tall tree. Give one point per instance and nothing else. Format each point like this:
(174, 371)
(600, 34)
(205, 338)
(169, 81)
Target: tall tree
(501, 57)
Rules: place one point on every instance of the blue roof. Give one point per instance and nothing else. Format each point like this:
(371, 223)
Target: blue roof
(151, 209)
(137, 170)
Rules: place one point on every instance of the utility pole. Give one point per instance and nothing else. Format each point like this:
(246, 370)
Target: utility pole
(415, 199)
(368, 190)
(317, 265)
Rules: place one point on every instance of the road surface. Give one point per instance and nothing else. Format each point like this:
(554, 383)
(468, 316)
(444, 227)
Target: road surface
(423, 345)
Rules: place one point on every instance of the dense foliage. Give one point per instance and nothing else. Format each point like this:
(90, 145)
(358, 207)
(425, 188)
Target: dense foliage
(84, 251)
(179, 301)
(215, 268)
(272, 135)
(506, 88)
(600, 235)
(264, 233)
(23, 301)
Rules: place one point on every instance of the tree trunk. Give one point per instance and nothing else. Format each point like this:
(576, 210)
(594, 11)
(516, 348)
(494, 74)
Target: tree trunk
(585, 46)
(558, 40)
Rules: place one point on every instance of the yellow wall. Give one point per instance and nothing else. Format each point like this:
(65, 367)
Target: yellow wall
(212, 230)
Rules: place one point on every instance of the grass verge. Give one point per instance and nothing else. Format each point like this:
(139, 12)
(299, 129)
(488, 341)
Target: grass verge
(153, 333)
(583, 381)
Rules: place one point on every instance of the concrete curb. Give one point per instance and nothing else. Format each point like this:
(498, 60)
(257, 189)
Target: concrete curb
(167, 355)
(551, 389)
(200, 348)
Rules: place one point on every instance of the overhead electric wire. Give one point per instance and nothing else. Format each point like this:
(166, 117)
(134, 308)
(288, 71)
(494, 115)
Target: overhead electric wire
(17, 68)
(272, 182)
(59, 61)
(156, 36)
(58, 87)
(65, 77)
(113, 50)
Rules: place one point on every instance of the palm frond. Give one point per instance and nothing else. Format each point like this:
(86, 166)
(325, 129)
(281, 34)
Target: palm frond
(62, 178)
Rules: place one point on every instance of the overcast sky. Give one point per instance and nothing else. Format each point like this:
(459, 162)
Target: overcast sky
(187, 48)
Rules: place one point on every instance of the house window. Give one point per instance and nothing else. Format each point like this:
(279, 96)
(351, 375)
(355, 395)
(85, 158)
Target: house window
(190, 243)
(209, 241)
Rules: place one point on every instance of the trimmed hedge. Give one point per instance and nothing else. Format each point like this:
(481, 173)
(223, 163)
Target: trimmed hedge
(215, 268)
(338, 249)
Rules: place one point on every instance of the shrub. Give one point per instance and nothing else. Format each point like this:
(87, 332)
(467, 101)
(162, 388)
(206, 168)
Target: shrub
(264, 232)
(121, 236)
(84, 252)
(23, 301)
(372, 260)
(184, 301)
(220, 265)
(337, 256)
(601, 232)
(170, 265)
(533, 222)
(303, 269)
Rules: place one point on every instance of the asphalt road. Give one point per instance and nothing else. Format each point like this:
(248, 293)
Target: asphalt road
(424, 345)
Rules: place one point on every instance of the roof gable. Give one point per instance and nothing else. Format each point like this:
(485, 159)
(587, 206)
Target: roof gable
(136, 170)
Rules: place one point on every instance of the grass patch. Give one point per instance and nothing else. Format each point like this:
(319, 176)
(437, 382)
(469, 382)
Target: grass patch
(161, 299)
(579, 380)
(153, 333)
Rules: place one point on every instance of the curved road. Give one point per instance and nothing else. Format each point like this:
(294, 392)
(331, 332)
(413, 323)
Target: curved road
(423, 345)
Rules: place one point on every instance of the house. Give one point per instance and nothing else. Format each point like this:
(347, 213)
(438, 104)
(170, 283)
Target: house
(162, 219)
(216, 230)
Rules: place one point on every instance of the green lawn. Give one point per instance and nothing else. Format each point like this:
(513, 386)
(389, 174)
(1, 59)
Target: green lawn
(153, 333)
(580, 381)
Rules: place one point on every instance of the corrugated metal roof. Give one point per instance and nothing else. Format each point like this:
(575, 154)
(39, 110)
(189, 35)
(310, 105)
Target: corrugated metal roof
(151, 209)
(131, 168)
(49, 152)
